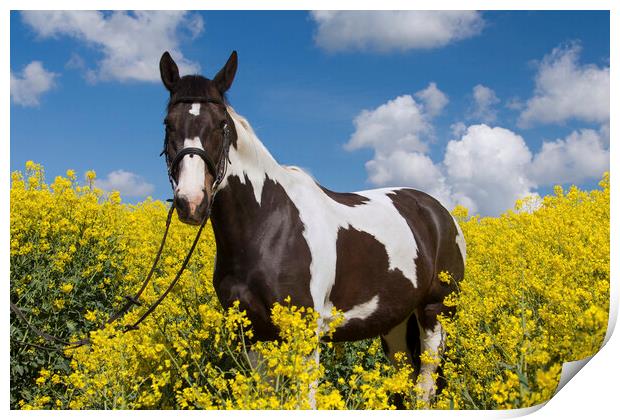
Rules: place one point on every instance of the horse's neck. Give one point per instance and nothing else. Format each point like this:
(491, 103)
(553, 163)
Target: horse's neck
(237, 209)
(250, 159)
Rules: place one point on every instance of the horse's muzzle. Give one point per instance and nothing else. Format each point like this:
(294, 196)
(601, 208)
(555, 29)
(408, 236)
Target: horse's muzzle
(192, 214)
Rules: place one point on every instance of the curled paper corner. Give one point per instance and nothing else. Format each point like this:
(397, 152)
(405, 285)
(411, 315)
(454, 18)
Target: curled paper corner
(570, 369)
(613, 311)
(516, 412)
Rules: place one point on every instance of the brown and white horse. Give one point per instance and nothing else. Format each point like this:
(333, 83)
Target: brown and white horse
(376, 255)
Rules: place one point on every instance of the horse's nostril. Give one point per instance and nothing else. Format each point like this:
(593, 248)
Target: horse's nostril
(181, 203)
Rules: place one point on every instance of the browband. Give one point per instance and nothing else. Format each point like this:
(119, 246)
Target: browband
(194, 99)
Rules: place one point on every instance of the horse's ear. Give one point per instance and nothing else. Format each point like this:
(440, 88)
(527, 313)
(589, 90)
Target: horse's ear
(224, 78)
(169, 71)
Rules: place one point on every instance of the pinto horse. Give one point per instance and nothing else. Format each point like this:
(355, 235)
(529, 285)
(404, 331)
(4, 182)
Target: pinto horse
(375, 255)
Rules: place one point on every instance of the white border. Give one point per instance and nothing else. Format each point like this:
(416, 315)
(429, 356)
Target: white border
(594, 392)
(312, 5)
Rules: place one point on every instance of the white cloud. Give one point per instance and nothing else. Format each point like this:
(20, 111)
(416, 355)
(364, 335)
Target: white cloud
(399, 167)
(485, 170)
(604, 130)
(433, 99)
(127, 183)
(488, 167)
(28, 86)
(565, 89)
(131, 43)
(483, 106)
(582, 155)
(416, 169)
(458, 128)
(515, 104)
(393, 30)
(399, 124)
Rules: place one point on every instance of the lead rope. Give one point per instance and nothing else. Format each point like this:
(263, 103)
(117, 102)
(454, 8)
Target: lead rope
(133, 300)
(223, 166)
(134, 326)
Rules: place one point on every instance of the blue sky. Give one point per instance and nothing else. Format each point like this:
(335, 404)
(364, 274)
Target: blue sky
(474, 108)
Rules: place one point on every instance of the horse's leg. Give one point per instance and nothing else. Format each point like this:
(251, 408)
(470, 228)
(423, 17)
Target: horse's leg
(432, 341)
(314, 385)
(257, 364)
(403, 338)
(395, 341)
(256, 361)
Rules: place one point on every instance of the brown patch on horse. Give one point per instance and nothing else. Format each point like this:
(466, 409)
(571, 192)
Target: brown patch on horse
(435, 233)
(262, 256)
(348, 199)
(362, 272)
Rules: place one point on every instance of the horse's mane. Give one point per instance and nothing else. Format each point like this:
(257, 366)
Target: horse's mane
(256, 143)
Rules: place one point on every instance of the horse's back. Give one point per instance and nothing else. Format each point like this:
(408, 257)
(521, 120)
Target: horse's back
(437, 236)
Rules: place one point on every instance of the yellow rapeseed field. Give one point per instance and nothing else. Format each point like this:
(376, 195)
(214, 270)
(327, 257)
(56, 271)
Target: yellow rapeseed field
(535, 294)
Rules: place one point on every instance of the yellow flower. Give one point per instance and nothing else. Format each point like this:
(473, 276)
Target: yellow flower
(91, 175)
(535, 293)
(91, 316)
(66, 287)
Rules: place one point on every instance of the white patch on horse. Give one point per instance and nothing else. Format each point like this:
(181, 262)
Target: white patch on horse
(362, 311)
(195, 109)
(191, 175)
(431, 341)
(321, 216)
(460, 240)
(249, 159)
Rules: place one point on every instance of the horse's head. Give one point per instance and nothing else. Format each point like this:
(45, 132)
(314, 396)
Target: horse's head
(199, 131)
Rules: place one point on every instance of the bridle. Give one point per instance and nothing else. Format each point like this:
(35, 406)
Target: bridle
(217, 170)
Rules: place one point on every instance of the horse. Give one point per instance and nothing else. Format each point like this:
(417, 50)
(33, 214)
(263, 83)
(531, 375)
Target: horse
(374, 255)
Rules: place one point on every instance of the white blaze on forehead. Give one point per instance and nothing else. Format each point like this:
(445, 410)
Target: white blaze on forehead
(192, 174)
(195, 110)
